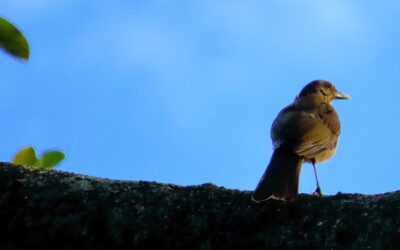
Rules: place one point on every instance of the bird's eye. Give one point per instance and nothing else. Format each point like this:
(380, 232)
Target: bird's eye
(329, 85)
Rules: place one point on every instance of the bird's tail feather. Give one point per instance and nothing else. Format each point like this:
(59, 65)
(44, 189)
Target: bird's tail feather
(281, 178)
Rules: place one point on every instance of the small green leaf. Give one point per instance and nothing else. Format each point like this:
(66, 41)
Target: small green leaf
(12, 40)
(50, 159)
(25, 156)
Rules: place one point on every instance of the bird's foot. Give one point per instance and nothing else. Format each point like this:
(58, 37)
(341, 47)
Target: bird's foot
(317, 192)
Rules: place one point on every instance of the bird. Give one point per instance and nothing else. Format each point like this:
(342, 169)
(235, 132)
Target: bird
(305, 131)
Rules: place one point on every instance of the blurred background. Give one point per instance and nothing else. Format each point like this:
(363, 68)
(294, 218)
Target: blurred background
(185, 92)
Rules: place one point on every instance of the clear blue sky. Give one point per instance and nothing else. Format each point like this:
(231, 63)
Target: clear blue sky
(185, 92)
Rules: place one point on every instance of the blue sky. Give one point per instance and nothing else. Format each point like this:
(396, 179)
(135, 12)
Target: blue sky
(185, 92)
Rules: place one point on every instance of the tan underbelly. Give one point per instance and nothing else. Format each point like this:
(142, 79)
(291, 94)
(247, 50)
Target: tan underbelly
(321, 156)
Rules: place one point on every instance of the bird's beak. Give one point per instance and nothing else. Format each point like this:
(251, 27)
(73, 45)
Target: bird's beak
(339, 95)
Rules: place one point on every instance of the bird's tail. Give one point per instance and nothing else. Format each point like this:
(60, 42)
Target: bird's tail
(281, 178)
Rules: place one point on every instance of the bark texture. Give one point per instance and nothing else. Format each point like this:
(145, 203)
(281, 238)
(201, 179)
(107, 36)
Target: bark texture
(59, 210)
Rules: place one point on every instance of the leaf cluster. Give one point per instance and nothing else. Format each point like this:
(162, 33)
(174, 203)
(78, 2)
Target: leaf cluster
(14, 43)
(47, 160)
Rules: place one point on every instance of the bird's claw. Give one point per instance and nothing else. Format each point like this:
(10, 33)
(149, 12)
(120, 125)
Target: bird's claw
(317, 192)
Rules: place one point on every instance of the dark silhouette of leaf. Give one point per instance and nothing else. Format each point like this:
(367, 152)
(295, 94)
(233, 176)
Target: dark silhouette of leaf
(12, 40)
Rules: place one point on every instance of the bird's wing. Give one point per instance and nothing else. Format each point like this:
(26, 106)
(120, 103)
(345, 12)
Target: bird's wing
(308, 132)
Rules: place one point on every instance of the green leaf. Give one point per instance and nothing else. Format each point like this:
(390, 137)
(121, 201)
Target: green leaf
(25, 156)
(50, 159)
(12, 40)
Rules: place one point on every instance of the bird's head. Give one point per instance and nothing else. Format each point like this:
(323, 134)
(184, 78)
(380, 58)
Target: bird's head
(326, 90)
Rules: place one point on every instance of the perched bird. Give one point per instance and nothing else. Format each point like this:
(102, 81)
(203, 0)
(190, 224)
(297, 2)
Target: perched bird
(306, 130)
